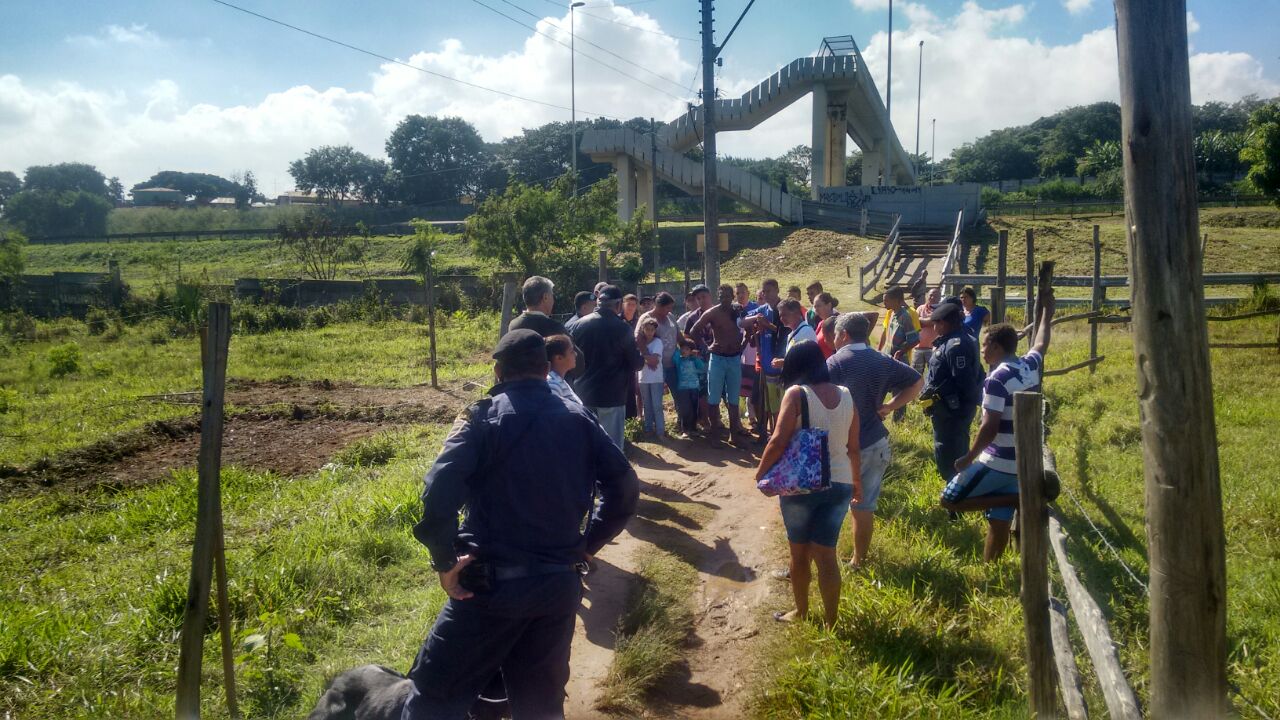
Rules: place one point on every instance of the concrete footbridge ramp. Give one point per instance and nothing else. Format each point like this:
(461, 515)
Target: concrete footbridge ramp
(846, 104)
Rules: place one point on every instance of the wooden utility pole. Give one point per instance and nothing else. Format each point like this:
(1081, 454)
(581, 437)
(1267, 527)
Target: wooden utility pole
(1175, 391)
(1002, 279)
(431, 313)
(213, 356)
(1095, 304)
(1030, 319)
(1033, 518)
(710, 194)
(653, 198)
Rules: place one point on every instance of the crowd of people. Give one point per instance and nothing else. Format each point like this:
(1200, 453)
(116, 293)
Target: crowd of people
(546, 449)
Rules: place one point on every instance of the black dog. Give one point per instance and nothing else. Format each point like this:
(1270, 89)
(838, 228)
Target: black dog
(374, 692)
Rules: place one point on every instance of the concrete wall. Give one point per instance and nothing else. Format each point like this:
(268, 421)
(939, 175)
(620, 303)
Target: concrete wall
(918, 204)
(315, 293)
(63, 293)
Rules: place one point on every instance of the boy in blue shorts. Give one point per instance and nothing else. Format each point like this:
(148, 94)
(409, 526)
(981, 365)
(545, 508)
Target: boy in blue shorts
(987, 476)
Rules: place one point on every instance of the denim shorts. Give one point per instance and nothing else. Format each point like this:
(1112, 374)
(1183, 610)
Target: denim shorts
(978, 480)
(816, 517)
(875, 461)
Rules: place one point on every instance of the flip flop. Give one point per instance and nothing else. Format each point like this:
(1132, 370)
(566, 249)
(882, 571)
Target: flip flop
(781, 617)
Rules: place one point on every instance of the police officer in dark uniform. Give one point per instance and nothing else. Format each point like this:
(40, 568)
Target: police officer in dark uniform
(523, 466)
(954, 390)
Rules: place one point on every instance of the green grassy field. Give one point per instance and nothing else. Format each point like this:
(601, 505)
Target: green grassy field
(146, 265)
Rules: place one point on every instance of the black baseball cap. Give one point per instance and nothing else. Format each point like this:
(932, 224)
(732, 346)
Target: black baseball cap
(947, 312)
(608, 293)
(519, 343)
(583, 298)
(952, 300)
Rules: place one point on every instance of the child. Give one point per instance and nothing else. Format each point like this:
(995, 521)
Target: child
(689, 371)
(563, 358)
(650, 377)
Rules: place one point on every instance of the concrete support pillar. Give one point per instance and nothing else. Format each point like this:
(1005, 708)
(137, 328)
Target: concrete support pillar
(871, 165)
(626, 187)
(820, 139)
(837, 139)
(644, 190)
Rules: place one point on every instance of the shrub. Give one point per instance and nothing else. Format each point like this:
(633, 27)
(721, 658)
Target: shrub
(64, 360)
(97, 320)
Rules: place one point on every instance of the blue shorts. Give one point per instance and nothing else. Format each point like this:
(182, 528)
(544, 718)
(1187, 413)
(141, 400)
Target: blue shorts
(875, 462)
(978, 480)
(816, 517)
(724, 379)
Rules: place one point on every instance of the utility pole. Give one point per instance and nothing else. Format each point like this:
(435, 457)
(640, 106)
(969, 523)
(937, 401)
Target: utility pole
(933, 152)
(573, 97)
(710, 194)
(653, 198)
(1185, 533)
(888, 85)
(919, 96)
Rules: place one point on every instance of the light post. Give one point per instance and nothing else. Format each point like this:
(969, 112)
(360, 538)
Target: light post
(933, 152)
(919, 95)
(573, 98)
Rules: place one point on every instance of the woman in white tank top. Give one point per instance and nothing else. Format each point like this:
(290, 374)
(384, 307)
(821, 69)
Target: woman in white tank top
(813, 521)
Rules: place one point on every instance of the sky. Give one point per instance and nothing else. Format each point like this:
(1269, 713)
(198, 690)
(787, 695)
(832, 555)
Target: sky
(139, 86)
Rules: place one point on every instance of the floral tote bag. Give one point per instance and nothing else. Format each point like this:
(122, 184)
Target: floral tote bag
(805, 466)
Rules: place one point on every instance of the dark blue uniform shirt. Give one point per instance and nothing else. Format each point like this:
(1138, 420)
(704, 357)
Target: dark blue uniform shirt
(955, 371)
(524, 464)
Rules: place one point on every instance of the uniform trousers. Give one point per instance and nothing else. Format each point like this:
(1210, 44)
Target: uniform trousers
(950, 438)
(523, 628)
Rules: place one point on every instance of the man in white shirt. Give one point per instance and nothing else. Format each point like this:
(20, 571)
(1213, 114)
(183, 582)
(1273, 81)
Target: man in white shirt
(791, 315)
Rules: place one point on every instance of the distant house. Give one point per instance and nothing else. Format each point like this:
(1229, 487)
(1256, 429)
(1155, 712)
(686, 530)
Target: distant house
(144, 197)
(297, 197)
(223, 202)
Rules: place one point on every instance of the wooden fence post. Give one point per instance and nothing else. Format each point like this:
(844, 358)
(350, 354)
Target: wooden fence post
(1096, 304)
(1068, 674)
(1030, 319)
(997, 305)
(1185, 538)
(508, 299)
(213, 354)
(431, 313)
(1033, 512)
(1002, 260)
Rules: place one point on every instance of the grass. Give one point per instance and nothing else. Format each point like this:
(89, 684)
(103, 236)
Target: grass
(148, 265)
(42, 413)
(652, 632)
(93, 586)
(929, 630)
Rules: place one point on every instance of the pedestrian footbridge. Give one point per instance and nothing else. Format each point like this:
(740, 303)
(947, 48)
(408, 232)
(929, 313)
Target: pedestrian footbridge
(846, 104)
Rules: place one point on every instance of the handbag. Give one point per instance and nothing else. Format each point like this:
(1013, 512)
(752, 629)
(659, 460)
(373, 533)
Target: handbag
(805, 465)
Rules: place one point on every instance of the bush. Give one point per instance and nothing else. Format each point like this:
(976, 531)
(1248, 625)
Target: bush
(64, 360)
(97, 320)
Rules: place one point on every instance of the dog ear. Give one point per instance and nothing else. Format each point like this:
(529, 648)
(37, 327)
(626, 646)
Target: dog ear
(332, 706)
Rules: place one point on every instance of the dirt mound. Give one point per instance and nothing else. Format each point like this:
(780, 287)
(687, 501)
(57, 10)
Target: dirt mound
(283, 426)
(801, 249)
(1242, 218)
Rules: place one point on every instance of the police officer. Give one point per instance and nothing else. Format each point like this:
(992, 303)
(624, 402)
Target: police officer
(954, 387)
(522, 465)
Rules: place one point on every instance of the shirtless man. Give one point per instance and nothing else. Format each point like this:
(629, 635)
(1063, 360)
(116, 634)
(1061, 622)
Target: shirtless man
(724, 371)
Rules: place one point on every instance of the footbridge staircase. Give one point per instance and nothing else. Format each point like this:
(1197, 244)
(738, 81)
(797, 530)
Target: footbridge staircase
(846, 104)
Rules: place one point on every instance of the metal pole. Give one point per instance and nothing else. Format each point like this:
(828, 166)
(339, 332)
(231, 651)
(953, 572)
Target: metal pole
(933, 152)
(888, 85)
(573, 98)
(710, 196)
(919, 95)
(653, 198)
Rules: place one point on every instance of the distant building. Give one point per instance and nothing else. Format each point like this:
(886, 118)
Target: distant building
(144, 197)
(297, 197)
(223, 202)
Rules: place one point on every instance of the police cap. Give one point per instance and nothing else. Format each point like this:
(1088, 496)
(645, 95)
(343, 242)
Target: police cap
(609, 293)
(947, 312)
(520, 343)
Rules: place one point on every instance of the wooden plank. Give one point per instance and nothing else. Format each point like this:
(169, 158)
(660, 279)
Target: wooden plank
(1122, 704)
(224, 622)
(1245, 316)
(1185, 538)
(1090, 363)
(1242, 346)
(1028, 409)
(213, 355)
(1065, 660)
(1076, 316)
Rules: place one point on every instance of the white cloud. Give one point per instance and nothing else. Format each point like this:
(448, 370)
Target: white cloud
(1193, 25)
(870, 4)
(135, 34)
(1077, 7)
(980, 73)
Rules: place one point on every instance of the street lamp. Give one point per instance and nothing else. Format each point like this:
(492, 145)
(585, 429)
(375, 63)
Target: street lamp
(573, 99)
(919, 94)
(933, 153)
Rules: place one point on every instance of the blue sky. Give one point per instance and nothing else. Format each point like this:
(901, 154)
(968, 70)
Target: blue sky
(139, 85)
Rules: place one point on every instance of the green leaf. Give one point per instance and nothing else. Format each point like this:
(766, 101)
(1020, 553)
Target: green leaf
(253, 642)
(292, 640)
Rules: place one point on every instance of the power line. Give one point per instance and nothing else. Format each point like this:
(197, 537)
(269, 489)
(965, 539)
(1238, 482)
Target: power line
(561, 42)
(582, 39)
(393, 61)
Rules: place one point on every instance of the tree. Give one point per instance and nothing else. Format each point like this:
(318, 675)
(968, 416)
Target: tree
(1001, 155)
(1262, 152)
(339, 172)
(247, 188)
(420, 259)
(546, 231)
(55, 213)
(10, 185)
(320, 244)
(1069, 133)
(1101, 157)
(66, 177)
(436, 159)
(12, 243)
(115, 191)
(202, 186)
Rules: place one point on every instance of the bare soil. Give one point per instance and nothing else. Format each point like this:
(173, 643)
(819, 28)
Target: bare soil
(734, 552)
(285, 426)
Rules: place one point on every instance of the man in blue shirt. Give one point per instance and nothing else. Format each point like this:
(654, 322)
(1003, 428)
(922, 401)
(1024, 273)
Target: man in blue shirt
(954, 388)
(525, 465)
(869, 377)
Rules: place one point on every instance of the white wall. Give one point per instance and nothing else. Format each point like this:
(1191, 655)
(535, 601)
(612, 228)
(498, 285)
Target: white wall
(918, 204)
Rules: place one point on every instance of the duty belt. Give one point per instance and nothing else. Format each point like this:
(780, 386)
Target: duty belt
(517, 572)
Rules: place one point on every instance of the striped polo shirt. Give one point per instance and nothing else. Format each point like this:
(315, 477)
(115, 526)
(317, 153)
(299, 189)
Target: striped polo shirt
(1009, 377)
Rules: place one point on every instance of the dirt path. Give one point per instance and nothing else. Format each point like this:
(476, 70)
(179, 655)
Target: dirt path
(728, 532)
